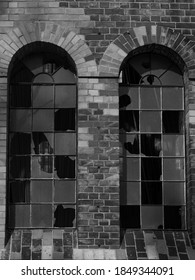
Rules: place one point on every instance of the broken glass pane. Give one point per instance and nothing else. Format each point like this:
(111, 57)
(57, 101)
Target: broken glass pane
(174, 193)
(128, 98)
(65, 96)
(129, 120)
(64, 167)
(173, 145)
(42, 166)
(43, 120)
(41, 191)
(42, 143)
(19, 216)
(173, 169)
(151, 144)
(64, 216)
(174, 217)
(151, 169)
(151, 192)
(129, 193)
(42, 215)
(20, 96)
(130, 144)
(172, 121)
(64, 76)
(132, 170)
(150, 121)
(173, 98)
(129, 216)
(43, 96)
(65, 144)
(20, 120)
(65, 119)
(20, 143)
(64, 191)
(152, 217)
(150, 98)
(20, 192)
(20, 167)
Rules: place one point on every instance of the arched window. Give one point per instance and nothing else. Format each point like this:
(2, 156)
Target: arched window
(42, 142)
(152, 138)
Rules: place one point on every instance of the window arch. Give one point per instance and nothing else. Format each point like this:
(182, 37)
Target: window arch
(152, 141)
(42, 140)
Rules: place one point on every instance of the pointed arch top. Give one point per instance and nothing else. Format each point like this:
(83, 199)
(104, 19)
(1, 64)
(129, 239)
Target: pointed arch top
(49, 32)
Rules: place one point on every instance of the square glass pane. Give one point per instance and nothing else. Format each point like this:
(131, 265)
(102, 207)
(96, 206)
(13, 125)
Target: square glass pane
(128, 98)
(173, 145)
(43, 96)
(173, 169)
(64, 216)
(65, 96)
(20, 167)
(129, 120)
(20, 120)
(20, 143)
(43, 120)
(151, 169)
(64, 167)
(130, 193)
(64, 191)
(150, 121)
(173, 122)
(65, 143)
(42, 143)
(41, 215)
(41, 191)
(129, 216)
(42, 167)
(150, 98)
(20, 96)
(151, 192)
(19, 216)
(152, 217)
(173, 98)
(174, 193)
(129, 144)
(131, 170)
(65, 119)
(174, 217)
(151, 144)
(19, 192)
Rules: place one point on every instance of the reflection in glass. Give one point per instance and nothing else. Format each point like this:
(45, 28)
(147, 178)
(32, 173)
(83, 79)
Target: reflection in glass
(20, 167)
(65, 119)
(173, 169)
(20, 96)
(42, 166)
(174, 193)
(128, 98)
(65, 167)
(173, 145)
(43, 120)
(129, 120)
(65, 96)
(151, 169)
(150, 121)
(173, 98)
(132, 169)
(64, 75)
(42, 96)
(130, 216)
(64, 191)
(43, 143)
(152, 217)
(151, 144)
(130, 193)
(20, 120)
(19, 191)
(41, 191)
(64, 216)
(130, 144)
(174, 217)
(150, 98)
(151, 192)
(19, 216)
(65, 143)
(20, 143)
(172, 121)
(42, 215)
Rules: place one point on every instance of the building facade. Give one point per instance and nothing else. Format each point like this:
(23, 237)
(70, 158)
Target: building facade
(97, 136)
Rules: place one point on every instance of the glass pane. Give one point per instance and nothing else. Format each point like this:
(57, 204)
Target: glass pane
(43, 96)
(64, 191)
(151, 144)
(20, 167)
(41, 191)
(152, 217)
(174, 217)
(131, 170)
(20, 120)
(64, 216)
(65, 96)
(150, 121)
(42, 215)
(150, 98)
(173, 169)
(42, 143)
(130, 216)
(151, 169)
(151, 192)
(174, 193)
(65, 144)
(128, 97)
(129, 120)
(64, 167)
(172, 121)
(129, 144)
(19, 216)
(130, 193)
(43, 120)
(19, 191)
(42, 167)
(20, 143)
(43, 78)
(64, 76)
(65, 119)
(20, 96)
(173, 98)
(173, 145)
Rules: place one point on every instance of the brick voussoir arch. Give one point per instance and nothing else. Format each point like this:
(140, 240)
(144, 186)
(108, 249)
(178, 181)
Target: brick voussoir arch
(136, 37)
(56, 34)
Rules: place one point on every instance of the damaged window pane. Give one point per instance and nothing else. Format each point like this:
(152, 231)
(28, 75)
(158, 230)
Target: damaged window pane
(20, 143)
(20, 96)
(174, 217)
(20, 167)
(130, 193)
(173, 169)
(173, 145)
(172, 121)
(43, 120)
(42, 215)
(152, 217)
(64, 216)
(64, 191)
(130, 144)
(20, 192)
(129, 216)
(151, 192)
(129, 120)
(150, 98)
(128, 97)
(42, 143)
(43, 96)
(174, 193)
(42, 166)
(151, 169)
(173, 98)
(65, 96)
(41, 191)
(65, 119)
(20, 120)
(151, 144)
(65, 143)
(19, 216)
(65, 167)
(150, 121)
